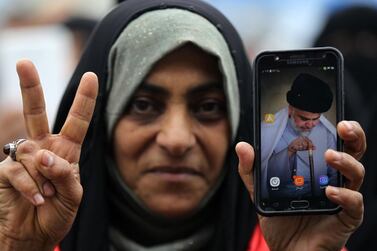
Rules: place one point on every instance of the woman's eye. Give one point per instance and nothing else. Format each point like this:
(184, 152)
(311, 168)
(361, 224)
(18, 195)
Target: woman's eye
(210, 109)
(209, 106)
(143, 106)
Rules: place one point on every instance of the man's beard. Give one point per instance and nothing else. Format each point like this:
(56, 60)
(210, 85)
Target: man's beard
(298, 130)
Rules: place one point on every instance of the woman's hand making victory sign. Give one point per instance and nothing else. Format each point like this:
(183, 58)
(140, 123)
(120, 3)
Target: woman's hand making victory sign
(40, 191)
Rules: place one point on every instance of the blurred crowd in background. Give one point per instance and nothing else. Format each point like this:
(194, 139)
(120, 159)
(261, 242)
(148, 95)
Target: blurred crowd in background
(53, 35)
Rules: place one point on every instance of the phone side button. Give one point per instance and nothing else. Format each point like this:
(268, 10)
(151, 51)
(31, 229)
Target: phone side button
(299, 204)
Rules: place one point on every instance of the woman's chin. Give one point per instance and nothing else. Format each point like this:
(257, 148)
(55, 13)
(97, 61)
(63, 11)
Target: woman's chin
(174, 207)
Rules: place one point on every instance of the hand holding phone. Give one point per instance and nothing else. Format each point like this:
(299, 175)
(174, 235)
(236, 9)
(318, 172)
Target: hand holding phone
(311, 232)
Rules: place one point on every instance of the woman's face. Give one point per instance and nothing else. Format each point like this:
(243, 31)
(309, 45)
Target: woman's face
(171, 143)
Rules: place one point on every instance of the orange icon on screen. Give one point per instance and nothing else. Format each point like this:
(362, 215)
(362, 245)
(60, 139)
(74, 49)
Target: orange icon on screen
(269, 118)
(298, 180)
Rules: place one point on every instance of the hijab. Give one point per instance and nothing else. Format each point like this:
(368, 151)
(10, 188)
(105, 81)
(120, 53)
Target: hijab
(235, 217)
(133, 54)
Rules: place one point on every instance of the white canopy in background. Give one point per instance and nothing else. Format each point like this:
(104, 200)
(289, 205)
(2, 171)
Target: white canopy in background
(50, 48)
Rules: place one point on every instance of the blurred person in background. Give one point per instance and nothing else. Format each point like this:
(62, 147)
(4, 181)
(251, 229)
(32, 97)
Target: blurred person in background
(353, 31)
(54, 35)
(81, 28)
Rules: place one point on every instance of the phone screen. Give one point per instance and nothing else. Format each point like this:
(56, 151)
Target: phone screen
(299, 104)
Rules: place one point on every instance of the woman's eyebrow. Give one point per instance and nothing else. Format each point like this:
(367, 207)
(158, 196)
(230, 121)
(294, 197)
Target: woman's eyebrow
(206, 87)
(153, 89)
(158, 90)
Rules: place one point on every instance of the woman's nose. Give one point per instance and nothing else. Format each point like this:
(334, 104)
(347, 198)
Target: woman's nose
(176, 135)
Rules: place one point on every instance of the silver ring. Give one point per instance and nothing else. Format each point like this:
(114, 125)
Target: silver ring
(10, 149)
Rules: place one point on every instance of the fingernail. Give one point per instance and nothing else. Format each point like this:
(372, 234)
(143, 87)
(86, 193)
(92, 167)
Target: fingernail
(333, 190)
(47, 159)
(48, 189)
(38, 199)
(348, 125)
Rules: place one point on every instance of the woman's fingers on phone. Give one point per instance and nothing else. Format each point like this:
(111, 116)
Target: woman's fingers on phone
(352, 169)
(354, 138)
(351, 203)
(245, 153)
(14, 175)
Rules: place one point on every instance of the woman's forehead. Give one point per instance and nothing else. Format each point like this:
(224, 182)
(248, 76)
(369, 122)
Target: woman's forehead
(190, 90)
(186, 65)
(188, 53)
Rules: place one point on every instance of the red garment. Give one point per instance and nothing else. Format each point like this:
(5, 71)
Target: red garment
(257, 242)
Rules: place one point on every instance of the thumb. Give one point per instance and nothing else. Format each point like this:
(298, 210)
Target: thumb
(245, 153)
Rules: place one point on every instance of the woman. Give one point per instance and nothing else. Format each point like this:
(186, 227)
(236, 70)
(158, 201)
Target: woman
(237, 226)
(157, 165)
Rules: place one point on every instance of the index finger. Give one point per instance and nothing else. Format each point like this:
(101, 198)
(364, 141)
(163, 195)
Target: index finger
(36, 122)
(354, 138)
(80, 114)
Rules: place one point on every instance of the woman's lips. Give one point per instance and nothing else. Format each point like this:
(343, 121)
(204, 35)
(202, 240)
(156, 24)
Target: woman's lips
(174, 173)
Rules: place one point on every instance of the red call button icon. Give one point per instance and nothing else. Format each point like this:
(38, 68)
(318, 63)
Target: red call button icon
(298, 180)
